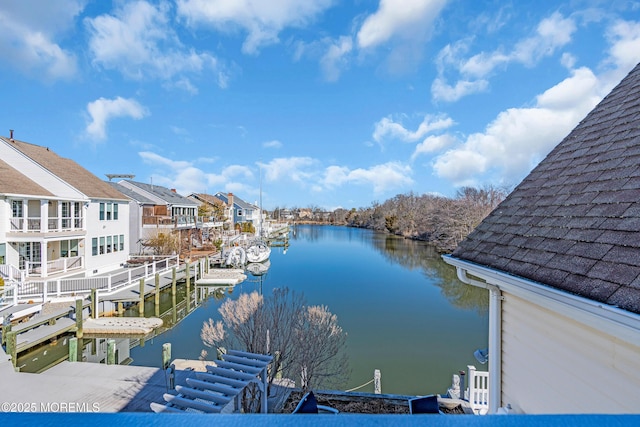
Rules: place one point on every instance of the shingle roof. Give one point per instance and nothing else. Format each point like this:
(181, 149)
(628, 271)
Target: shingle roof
(574, 222)
(236, 201)
(164, 193)
(68, 170)
(13, 181)
(131, 194)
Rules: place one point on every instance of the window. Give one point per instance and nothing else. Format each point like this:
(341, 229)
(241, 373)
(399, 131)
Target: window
(101, 245)
(16, 208)
(64, 249)
(94, 246)
(239, 212)
(115, 243)
(122, 242)
(108, 244)
(109, 208)
(115, 211)
(101, 211)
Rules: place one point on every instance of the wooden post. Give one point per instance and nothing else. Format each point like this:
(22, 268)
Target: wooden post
(6, 328)
(94, 303)
(73, 349)
(111, 352)
(206, 265)
(120, 308)
(166, 355)
(141, 303)
(173, 296)
(157, 295)
(188, 275)
(79, 318)
(12, 349)
(377, 387)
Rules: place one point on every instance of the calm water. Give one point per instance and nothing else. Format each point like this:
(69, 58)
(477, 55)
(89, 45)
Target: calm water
(402, 307)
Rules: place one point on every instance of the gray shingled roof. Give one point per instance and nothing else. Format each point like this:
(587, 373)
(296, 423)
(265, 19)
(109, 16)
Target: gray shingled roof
(574, 222)
(171, 197)
(236, 201)
(68, 170)
(131, 194)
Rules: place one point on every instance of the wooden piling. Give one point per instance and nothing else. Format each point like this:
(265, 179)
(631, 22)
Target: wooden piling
(111, 352)
(188, 276)
(94, 303)
(73, 349)
(6, 328)
(166, 355)
(120, 308)
(141, 303)
(79, 318)
(173, 295)
(377, 386)
(12, 347)
(156, 295)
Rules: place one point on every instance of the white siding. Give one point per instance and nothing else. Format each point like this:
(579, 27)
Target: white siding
(99, 264)
(554, 364)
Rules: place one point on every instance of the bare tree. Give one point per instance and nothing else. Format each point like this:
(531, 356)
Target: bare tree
(301, 338)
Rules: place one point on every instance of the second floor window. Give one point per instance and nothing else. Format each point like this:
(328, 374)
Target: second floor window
(16, 208)
(108, 211)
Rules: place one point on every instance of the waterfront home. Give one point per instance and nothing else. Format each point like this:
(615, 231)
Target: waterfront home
(55, 216)
(140, 208)
(560, 259)
(239, 211)
(160, 210)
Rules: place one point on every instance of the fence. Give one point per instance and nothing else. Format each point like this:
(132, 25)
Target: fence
(478, 390)
(43, 290)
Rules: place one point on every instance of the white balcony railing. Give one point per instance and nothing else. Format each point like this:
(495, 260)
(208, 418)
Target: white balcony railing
(478, 390)
(54, 224)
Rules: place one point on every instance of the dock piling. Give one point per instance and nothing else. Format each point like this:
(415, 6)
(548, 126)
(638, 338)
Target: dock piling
(156, 295)
(377, 386)
(166, 355)
(141, 304)
(188, 277)
(94, 303)
(79, 318)
(111, 352)
(12, 347)
(73, 349)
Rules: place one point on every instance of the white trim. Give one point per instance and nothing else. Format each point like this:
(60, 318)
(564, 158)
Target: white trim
(611, 320)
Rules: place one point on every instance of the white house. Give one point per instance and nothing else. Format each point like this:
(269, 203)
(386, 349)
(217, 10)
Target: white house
(55, 216)
(560, 257)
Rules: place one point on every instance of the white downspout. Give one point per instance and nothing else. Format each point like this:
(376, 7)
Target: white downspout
(495, 338)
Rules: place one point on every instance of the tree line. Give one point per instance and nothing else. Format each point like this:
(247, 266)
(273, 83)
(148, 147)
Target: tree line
(442, 221)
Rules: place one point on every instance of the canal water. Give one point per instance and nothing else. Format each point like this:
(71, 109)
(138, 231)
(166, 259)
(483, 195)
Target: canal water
(403, 309)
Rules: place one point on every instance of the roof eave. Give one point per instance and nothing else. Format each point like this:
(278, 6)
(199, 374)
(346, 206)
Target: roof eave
(606, 318)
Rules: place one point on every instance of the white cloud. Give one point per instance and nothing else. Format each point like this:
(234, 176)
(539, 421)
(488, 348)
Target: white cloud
(519, 137)
(295, 169)
(29, 32)
(389, 128)
(102, 110)
(551, 34)
(334, 60)
(262, 20)
(385, 177)
(433, 143)
(406, 20)
(624, 53)
(272, 144)
(138, 41)
(186, 178)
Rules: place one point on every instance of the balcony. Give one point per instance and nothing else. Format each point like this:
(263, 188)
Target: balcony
(60, 265)
(54, 224)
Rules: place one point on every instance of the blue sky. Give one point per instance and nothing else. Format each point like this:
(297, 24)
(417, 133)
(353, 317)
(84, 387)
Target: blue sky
(332, 103)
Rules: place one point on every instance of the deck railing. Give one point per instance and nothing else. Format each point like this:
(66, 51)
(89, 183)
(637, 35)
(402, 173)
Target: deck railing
(478, 390)
(45, 289)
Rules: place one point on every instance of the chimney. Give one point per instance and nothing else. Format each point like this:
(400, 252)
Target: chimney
(230, 200)
(11, 135)
(173, 190)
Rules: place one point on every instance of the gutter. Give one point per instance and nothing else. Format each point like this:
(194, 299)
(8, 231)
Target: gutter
(495, 337)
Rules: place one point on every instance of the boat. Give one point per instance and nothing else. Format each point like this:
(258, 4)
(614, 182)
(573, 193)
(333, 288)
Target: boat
(237, 257)
(258, 251)
(258, 268)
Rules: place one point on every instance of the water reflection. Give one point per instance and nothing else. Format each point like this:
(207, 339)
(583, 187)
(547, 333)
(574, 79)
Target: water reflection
(414, 254)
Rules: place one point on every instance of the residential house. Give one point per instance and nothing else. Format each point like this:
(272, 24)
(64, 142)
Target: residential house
(560, 258)
(138, 206)
(160, 210)
(55, 216)
(240, 211)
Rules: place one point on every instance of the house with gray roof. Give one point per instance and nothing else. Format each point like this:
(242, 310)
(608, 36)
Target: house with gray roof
(560, 258)
(240, 211)
(55, 216)
(158, 210)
